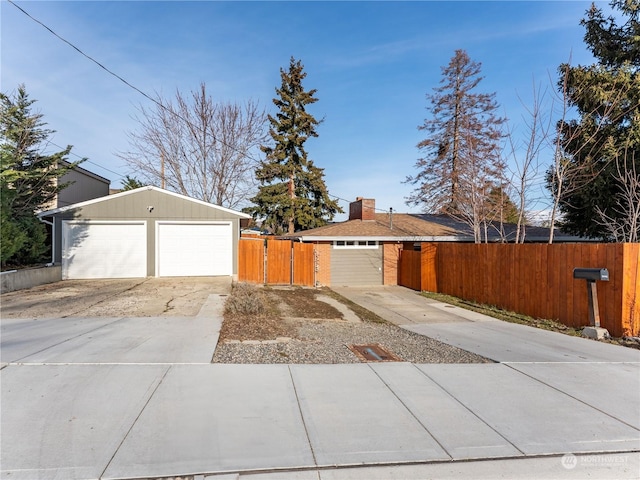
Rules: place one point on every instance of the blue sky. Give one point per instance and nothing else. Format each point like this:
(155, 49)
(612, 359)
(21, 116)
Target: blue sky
(371, 62)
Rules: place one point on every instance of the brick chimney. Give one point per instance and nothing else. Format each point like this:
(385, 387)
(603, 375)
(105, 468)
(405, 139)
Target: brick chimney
(362, 209)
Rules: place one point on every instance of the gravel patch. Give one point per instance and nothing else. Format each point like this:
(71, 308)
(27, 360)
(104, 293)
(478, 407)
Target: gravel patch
(326, 342)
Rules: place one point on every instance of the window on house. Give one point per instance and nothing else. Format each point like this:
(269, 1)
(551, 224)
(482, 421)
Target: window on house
(355, 244)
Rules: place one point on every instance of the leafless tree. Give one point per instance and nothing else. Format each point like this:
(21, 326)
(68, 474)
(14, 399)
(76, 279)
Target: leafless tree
(525, 155)
(478, 181)
(626, 227)
(462, 160)
(198, 148)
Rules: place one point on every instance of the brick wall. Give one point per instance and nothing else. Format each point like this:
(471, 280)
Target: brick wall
(390, 257)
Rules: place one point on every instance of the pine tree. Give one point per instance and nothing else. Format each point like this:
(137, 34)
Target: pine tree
(292, 195)
(131, 183)
(501, 207)
(602, 147)
(462, 161)
(28, 178)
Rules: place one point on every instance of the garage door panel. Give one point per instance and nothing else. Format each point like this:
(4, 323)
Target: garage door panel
(104, 250)
(194, 249)
(357, 266)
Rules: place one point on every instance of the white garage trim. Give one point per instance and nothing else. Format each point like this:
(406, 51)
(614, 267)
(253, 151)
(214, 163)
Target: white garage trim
(104, 249)
(191, 249)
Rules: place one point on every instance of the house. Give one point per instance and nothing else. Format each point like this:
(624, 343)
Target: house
(144, 232)
(364, 250)
(83, 185)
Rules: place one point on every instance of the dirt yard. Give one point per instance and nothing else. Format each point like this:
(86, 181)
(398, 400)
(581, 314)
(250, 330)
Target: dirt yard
(302, 325)
(142, 297)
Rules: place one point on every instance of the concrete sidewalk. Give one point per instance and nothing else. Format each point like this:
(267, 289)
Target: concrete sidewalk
(72, 410)
(131, 421)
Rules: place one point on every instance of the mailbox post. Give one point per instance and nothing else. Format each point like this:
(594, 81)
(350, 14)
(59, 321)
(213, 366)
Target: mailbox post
(592, 275)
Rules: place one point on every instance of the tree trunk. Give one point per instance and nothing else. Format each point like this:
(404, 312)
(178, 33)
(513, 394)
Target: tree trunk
(292, 196)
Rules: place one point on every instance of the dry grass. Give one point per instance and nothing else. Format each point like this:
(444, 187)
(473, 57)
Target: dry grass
(514, 317)
(260, 313)
(251, 314)
(301, 303)
(246, 299)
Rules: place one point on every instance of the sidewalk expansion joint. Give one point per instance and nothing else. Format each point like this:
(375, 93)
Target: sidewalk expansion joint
(304, 423)
(571, 396)
(134, 422)
(411, 412)
(469, 410)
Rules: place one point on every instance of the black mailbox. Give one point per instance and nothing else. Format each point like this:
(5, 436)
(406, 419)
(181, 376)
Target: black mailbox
(592, 274)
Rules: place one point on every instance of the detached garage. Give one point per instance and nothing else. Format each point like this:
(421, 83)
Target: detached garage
(145, 232)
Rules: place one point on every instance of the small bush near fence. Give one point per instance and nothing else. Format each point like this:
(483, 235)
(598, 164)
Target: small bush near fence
(246, 299)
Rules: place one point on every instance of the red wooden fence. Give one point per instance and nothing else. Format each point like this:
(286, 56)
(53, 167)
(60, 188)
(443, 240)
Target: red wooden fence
(287, 262)
(532, 279)
(251, 261)
(409, 269)
(303, 264)
(537, 279)
(278, 262)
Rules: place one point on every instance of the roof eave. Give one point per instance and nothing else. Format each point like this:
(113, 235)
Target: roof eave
(380, 238)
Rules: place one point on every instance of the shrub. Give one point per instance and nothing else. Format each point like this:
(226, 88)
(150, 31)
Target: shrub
(246, 299)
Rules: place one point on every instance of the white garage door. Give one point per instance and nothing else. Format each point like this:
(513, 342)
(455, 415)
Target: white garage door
(187, 249)
(104, 249)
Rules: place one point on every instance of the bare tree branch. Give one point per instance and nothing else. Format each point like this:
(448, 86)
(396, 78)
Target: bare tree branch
(537, 126)
(199, 148)
(566, 175)
(626, 226)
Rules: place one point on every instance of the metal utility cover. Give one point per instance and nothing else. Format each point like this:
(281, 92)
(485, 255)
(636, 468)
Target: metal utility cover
(373, 352)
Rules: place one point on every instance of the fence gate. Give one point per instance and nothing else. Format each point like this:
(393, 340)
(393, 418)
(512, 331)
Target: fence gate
(251, 260)
(285, 262)
(304, 264)
(409, 269)
(278, 262)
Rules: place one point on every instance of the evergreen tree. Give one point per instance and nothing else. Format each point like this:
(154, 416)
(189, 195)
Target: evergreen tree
(28, 178)
(602, 147)
(292, 195)
(131, 183)
(462, 161)
(501, 207)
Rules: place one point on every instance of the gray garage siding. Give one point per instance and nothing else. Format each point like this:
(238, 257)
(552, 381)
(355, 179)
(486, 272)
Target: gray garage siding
(355, 266)
(134, 206)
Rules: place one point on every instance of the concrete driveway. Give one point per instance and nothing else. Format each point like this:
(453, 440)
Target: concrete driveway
(129, 297)
(43, 334)
(84, 400)
(495, 339)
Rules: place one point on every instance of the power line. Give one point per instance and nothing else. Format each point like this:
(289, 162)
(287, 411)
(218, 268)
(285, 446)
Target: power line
(81, 52)
(155, 101)
(350, 201)
(119, 175)
(128, 84)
